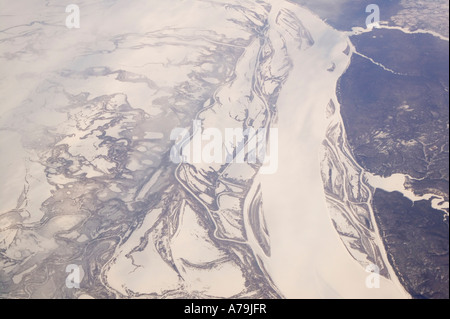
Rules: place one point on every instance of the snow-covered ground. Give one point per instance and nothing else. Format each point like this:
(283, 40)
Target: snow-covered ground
(308, 259)
(85, 120)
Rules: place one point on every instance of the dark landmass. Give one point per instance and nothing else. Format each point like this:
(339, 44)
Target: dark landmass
(417, 242)
(396, 116)
(420, 55)
(397, 122)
